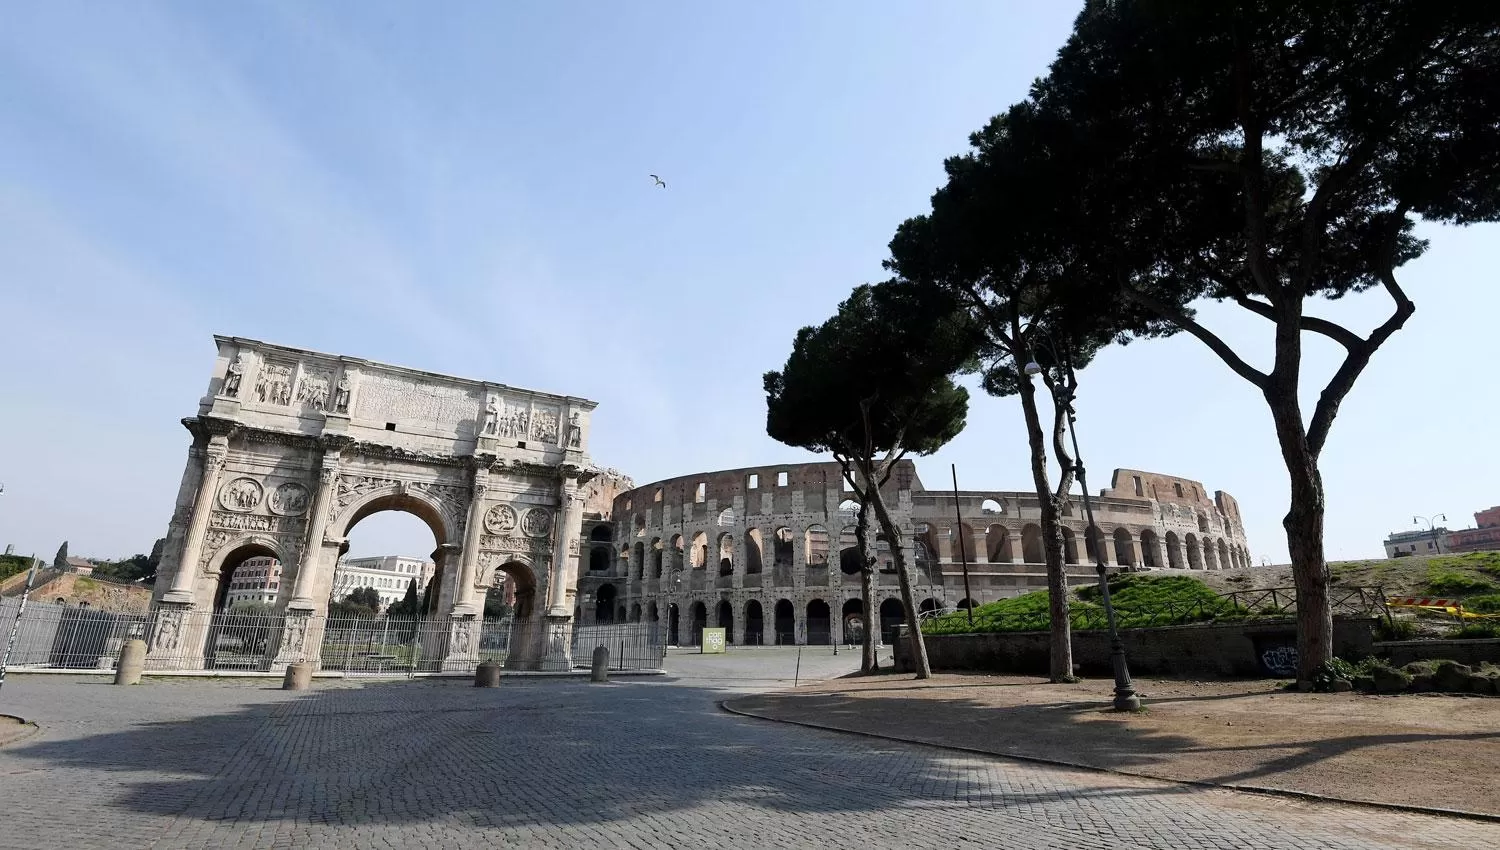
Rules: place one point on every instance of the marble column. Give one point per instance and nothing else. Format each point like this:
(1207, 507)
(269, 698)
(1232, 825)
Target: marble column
(465, 602)
(214, 457)
(312, 547)
(559, 622)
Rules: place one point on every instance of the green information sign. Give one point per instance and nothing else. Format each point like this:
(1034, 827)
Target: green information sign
(713, 641)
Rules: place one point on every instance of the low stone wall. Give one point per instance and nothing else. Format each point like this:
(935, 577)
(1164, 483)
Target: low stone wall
(1471, 652)
(1258, 648)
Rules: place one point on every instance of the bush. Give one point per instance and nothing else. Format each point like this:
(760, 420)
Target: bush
(1139, 601)
(1488, 604)
(1476, 630)
(1402, 628)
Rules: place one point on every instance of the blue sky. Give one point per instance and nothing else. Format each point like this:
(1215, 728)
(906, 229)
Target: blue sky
(463, 189)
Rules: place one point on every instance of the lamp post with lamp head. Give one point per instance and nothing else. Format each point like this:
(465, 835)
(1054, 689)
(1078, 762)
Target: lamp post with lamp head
(1125, 698)
(1431, 521)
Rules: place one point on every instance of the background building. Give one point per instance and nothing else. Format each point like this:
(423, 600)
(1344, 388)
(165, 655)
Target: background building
(388, 574)
(254, 580)
(770, 554)
(1483, 537)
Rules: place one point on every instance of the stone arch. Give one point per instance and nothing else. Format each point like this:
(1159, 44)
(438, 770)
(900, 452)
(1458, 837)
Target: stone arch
(674, 549)
(755, 624)
(924, 546)
(850, 559)
(638, 561)
(819, 623)
(966, 603)
(657, 551)
(1093, 544)
(698, 620)
(892, 615)
(1032, 550)
(395, 498)
(601, 534)
(1070, 546)
(598, 559)
(726, 554)
(726, 518)
(962, 534)
(1150, 549)
(635, 612)
(1210, 555)
(991, 507)
(1124, 547)
(724, 617)
(698, 552)
(852, 620)
(604, 603)
(1174, 551)
(1194, 554)
(928, 606)
(816, 548)
(997, 545)
(781, 547)
(785, 622)
(753, 550)
(228, 557)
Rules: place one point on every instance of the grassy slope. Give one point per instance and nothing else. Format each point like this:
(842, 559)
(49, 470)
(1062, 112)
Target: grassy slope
(1443, 575)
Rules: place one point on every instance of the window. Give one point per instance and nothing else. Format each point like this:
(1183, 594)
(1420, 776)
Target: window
(781, 479)
(1177, 488)
(1139, 490)
(752, 482)
(657, 496)
(700, 493)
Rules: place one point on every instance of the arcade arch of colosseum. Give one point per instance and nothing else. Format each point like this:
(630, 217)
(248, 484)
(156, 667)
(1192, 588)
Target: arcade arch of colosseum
(292, 448)
(766, 552)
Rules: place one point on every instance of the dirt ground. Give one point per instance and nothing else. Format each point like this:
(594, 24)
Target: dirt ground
(1427, 750)
(12, 729)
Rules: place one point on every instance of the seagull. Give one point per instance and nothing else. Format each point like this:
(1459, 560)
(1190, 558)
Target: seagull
(660, 182)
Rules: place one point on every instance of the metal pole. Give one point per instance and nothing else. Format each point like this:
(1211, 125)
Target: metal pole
(15, 626)
(963, 556)
(1126, 698)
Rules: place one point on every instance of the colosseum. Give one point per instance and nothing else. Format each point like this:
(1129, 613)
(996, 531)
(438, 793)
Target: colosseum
(769, 553)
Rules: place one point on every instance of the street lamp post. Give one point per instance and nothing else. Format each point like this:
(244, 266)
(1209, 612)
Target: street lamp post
(1126, 698)
(1437, 542)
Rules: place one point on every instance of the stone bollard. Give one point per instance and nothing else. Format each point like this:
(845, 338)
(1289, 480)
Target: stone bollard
(600, 673)
(298, 677)
(132, 662)
(487, 675)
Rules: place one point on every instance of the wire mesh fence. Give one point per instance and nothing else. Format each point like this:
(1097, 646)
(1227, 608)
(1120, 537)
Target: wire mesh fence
(60, 637)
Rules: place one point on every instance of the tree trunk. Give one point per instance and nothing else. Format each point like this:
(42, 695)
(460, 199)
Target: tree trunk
(898, 551)
(1304, 532)
(869, 661)
(1061, 666)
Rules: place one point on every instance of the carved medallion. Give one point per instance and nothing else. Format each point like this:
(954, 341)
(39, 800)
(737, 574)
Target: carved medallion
(241, 495)
(289, 499)
(537, 522)
(501, 519)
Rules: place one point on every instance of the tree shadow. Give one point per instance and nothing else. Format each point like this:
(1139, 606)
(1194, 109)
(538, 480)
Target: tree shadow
(533, 754)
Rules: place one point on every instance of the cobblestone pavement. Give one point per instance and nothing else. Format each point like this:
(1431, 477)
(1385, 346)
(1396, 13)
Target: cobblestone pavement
(632, 764)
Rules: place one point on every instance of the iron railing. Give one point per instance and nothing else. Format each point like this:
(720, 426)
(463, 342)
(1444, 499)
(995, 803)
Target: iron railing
(63, 637)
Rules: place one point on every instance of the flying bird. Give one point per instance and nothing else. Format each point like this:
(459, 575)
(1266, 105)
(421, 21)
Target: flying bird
(660, 182)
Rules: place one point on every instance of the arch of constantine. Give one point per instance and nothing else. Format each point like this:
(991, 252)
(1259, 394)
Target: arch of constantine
(292, 448)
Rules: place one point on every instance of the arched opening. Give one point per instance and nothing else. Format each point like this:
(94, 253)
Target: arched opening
(242, 634)
(755, 624)
(635, 612)
(752, 552)
(508, 632)
(698, 622)
(726, 554)
(819, 625)
(892, 615)
(601, 534)
(961, 537)
(924, 547)
(1032, 551)
(817, 546)
(674, 620)
(853, 618)
(965, 604)
(781, 547)
(725, 615)
(1093, 544)
(849, 506)
(699, 551)
(384, 539)
(1124, 548)
(997, 541)
(991, 507)
(1070, 546)
(785, 623)
(928, 606)
(850, 561)
(604, 604)
(1174, 551)
(726, 518)
(638, 560)
(1150, 552)
(1203, 523)
(674, 551)
(1194, 554)
(1210, 556)
(656, 556)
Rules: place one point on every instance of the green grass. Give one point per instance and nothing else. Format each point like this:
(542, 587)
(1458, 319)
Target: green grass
(1487, 604)
(12, 564)
(1450, 582)
(1139, 600)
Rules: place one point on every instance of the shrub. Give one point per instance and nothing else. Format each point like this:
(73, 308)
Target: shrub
(1403, 628)
(1488, 604)
(1455, 584)
(1476, 630)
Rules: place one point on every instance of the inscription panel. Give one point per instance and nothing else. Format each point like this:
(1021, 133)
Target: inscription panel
(441, 408)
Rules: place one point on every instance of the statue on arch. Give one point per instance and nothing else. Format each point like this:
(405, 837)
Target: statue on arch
(233, 376)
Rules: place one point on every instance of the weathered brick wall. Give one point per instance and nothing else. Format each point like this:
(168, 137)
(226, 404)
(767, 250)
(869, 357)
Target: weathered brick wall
(1472, 651)
(1216, 649)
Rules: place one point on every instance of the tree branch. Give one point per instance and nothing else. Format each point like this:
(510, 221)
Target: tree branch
(1182, 320)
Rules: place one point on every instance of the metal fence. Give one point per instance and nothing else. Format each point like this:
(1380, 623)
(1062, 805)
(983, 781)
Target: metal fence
(80, 638)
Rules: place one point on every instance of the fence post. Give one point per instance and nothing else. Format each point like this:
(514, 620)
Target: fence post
(15, 626)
